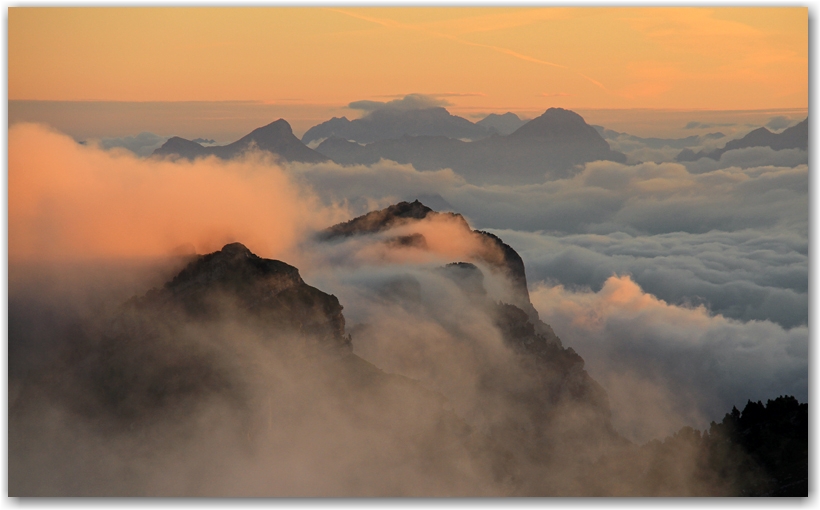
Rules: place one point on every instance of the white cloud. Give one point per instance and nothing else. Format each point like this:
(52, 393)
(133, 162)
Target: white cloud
(665, 366)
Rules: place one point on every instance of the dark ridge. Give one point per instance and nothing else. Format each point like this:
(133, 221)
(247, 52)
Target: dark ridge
(795, 137)
(392, 123)
(376, 221)
(549, 147)
(270, 291)
(511, 260)
(276, 138)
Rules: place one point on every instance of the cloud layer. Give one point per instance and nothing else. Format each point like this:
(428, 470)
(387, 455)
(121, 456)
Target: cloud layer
(69, 201)
(665, 365)
(711, 263)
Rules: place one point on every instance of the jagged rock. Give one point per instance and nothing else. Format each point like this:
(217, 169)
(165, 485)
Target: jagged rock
(270, 291)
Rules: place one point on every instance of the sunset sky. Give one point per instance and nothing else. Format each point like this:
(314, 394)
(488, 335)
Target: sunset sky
(309, 63)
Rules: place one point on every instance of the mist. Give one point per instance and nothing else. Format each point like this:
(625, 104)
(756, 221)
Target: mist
(68, 201)
(432, 386)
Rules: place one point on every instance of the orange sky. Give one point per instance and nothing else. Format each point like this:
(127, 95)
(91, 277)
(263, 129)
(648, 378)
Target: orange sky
(478, 59)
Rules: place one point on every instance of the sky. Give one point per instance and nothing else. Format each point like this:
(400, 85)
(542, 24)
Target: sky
(308, 64)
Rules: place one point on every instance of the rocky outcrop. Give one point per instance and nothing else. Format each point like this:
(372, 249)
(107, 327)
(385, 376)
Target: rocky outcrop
(234, 280)
(496, 253)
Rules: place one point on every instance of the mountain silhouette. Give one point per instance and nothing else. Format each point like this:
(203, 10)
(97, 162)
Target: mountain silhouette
(276, 138)
(795, 137)
(501, 124)
(545, 148)
(389, 123)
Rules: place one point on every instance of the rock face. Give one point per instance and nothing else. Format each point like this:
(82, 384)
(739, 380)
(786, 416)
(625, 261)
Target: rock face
(497, 253)
(269, 290)
(549, 401)
(795, 137)
(276, 138)
(545, 148)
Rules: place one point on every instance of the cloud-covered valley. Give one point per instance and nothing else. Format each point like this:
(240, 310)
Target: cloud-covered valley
(684, 286)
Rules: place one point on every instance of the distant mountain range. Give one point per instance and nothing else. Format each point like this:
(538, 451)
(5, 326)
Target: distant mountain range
(504, 149)
(389, 123)
(795, 137)
(545, 148)
(277, 138)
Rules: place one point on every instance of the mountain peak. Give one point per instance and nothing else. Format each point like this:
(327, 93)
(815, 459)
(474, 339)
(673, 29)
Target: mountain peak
(281, 127)
(376, 221)
(557, 123)
(276, 138)
(235, 250)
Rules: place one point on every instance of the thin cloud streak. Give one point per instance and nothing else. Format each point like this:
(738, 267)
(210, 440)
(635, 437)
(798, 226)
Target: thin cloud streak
(499, 49)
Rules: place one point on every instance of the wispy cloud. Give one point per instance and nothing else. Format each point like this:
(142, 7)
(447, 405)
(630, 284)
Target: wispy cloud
(499, 49)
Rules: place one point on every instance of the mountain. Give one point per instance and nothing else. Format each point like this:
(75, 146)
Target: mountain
(658, 143)
(547, 147)
(276, 138)
(497, 254)
(389, 123)
(795, 137)
(237, 363)
(501, 124)
(234, 363)
(235, 377)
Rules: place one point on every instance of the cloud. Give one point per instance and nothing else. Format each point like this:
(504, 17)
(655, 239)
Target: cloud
(408, 102)
(365, 188)
(694, 364)
(217, 407)
(750, 157)
(732, 238)
(605, 197)
(744, 275)
(779, 122)
(68, 201)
